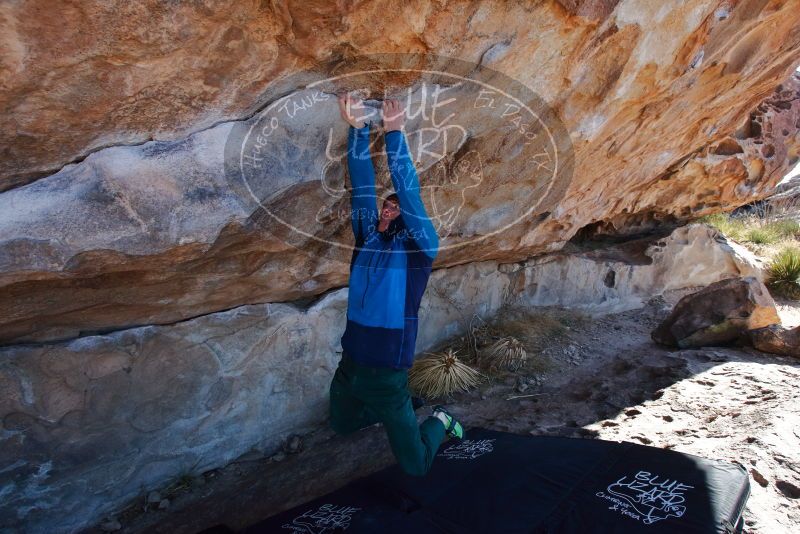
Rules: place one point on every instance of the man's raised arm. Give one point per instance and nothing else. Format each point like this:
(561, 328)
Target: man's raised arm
(363, 207)
(406, 185)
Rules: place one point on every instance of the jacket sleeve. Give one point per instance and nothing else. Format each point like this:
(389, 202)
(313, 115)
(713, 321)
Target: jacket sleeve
(406, 185)
(363, 201)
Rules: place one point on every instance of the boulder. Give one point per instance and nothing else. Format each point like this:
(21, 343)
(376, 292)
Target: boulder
(719, 314)
(777, 339)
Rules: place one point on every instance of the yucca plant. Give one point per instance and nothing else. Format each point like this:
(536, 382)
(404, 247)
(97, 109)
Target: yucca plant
(506, 353)
(783, 275)
(441, 373)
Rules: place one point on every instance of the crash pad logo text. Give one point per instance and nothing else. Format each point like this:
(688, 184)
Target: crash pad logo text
(327, 518)
(468, 449)
(646, 497)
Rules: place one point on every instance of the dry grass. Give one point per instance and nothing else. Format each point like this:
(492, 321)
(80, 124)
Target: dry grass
(512, 340)
(507, 353)
(771, 226)
(777, 210)
(771, 230)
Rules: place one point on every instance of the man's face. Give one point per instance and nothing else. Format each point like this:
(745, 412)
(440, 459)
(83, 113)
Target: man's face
(390, 210)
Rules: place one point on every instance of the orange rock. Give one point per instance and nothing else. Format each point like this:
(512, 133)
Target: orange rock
(777, 340)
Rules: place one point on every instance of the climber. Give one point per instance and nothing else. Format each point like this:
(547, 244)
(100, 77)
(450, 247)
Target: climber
(389, 270)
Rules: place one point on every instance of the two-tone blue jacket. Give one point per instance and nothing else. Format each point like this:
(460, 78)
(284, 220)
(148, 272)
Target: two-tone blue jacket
(389, 270)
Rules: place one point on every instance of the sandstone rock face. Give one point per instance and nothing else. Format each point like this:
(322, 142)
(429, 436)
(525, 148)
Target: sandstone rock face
(670, 108)
(776, 339)
(90, 423)
(718, 314)
(624, 277)
(77, 79)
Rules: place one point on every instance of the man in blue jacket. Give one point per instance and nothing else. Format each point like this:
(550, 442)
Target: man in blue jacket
(389, 270)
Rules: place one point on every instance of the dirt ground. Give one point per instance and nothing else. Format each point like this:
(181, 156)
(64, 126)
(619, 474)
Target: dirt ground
(585, 376)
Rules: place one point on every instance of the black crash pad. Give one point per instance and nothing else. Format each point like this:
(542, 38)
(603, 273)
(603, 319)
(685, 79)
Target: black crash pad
(496, 482)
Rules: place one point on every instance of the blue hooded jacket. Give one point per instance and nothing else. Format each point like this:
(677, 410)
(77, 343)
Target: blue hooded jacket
(389, 270)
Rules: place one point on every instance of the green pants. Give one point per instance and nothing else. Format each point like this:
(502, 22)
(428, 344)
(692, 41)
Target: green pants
(361, 396)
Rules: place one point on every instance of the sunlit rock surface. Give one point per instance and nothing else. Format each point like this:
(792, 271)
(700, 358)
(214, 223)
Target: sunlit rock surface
(777, 339)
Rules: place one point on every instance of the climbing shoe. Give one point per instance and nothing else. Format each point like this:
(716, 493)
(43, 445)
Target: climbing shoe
(417, 403)
(452, 426)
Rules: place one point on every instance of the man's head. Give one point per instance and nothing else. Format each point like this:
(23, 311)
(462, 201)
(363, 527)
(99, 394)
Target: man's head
(391, 208)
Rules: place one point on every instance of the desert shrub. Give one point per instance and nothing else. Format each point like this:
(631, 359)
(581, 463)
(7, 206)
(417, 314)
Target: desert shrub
(441, 373)
(762, 236)
(783, 275)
